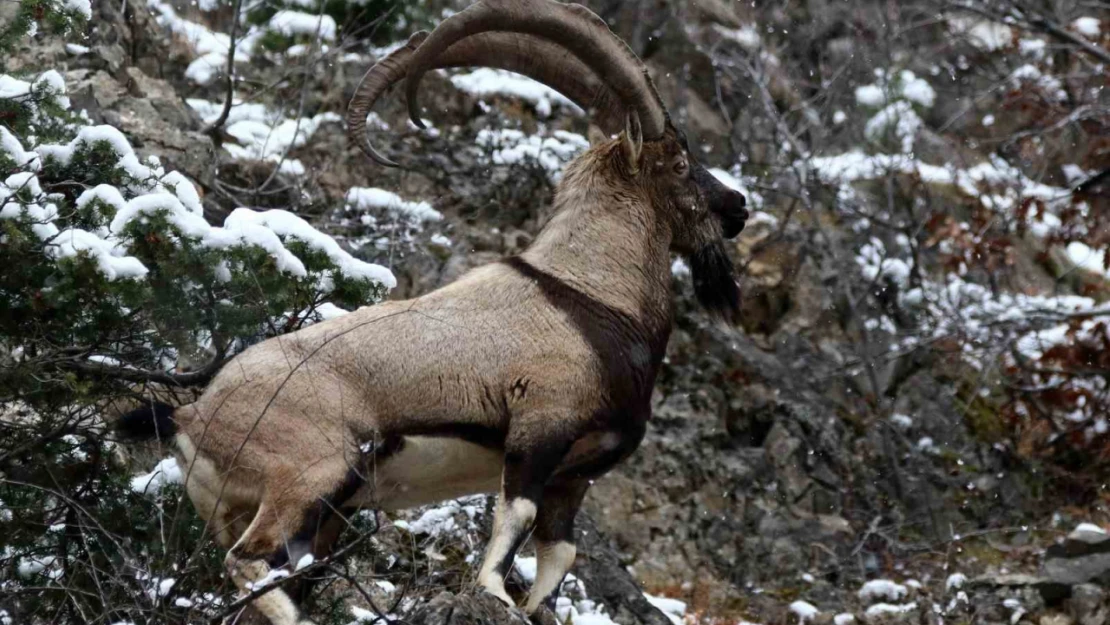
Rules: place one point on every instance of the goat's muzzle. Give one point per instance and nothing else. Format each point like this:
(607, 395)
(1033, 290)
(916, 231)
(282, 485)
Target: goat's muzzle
(724, 202)
(732, 213)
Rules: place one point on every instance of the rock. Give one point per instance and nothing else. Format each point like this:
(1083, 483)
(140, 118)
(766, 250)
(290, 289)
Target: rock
(1081, 542)
(607, 581)
(1050, 590)
(477, 608)
(1088, 605)
(1063, 568)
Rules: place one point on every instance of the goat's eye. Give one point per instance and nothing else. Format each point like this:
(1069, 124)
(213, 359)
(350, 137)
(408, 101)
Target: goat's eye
(680, 167)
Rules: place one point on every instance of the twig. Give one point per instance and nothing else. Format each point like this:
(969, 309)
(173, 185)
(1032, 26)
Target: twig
(214, 128)
(241, 602)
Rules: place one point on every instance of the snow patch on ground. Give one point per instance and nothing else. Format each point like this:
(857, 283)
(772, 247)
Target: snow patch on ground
(983, 34)
(451, 518)
(882, 589)
(264, 135)
(293, 23)
(210, 47)
(366, 198)
(507, 146)
(805, 611)
(487, 81)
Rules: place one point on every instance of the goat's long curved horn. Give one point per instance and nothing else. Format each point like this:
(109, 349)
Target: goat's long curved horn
(536, 58)
(374, 83)
(573, 26)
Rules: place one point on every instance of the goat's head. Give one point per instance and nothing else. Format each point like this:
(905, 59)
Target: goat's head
(572, 50)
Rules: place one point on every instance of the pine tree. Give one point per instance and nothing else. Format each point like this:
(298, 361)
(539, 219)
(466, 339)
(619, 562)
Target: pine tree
(114, 288)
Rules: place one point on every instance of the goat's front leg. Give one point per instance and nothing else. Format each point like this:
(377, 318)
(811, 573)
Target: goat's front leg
(527, 469)
(554, 538)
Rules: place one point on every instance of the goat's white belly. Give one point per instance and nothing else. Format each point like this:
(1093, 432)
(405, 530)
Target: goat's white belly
(432, 469)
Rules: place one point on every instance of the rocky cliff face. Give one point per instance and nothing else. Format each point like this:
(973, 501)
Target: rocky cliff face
(834, 437)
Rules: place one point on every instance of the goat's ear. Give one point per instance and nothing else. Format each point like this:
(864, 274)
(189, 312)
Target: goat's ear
(632, 141)
(596, 135)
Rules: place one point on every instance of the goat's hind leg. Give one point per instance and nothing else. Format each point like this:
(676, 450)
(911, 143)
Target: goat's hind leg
(296, 505)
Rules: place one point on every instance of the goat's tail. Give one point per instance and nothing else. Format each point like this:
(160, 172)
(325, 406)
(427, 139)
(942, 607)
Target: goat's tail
(154, 419)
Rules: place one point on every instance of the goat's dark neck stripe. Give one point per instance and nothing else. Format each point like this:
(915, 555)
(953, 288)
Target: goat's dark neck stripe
(629, 350)
(563, 294)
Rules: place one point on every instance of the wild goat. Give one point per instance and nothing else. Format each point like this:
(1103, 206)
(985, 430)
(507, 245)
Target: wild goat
(531, 376)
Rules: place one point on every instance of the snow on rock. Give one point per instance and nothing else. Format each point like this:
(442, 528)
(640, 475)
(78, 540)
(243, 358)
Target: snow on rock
(955, 581)
(527, 568)
(263, 134)
(292, 23)
(167, 472)
(488, 81)
(366, 198)
(805, 611)
(983, 34)
(881, 610)
(444, 519)
(672, 608)
(1089, 528)
(509, 147)
(844, 618)
(903, 421)
(1089, 27)
(210, 47)
(882, 589)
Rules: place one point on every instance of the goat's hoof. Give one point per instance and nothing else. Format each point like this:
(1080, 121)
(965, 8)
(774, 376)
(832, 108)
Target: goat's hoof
(501, 596)
(543, 616)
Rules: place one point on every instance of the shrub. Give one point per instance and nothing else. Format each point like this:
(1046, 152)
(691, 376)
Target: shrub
(114, 287)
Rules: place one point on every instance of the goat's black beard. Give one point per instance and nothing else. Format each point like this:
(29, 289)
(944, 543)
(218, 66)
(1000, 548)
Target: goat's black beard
(715, 283)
